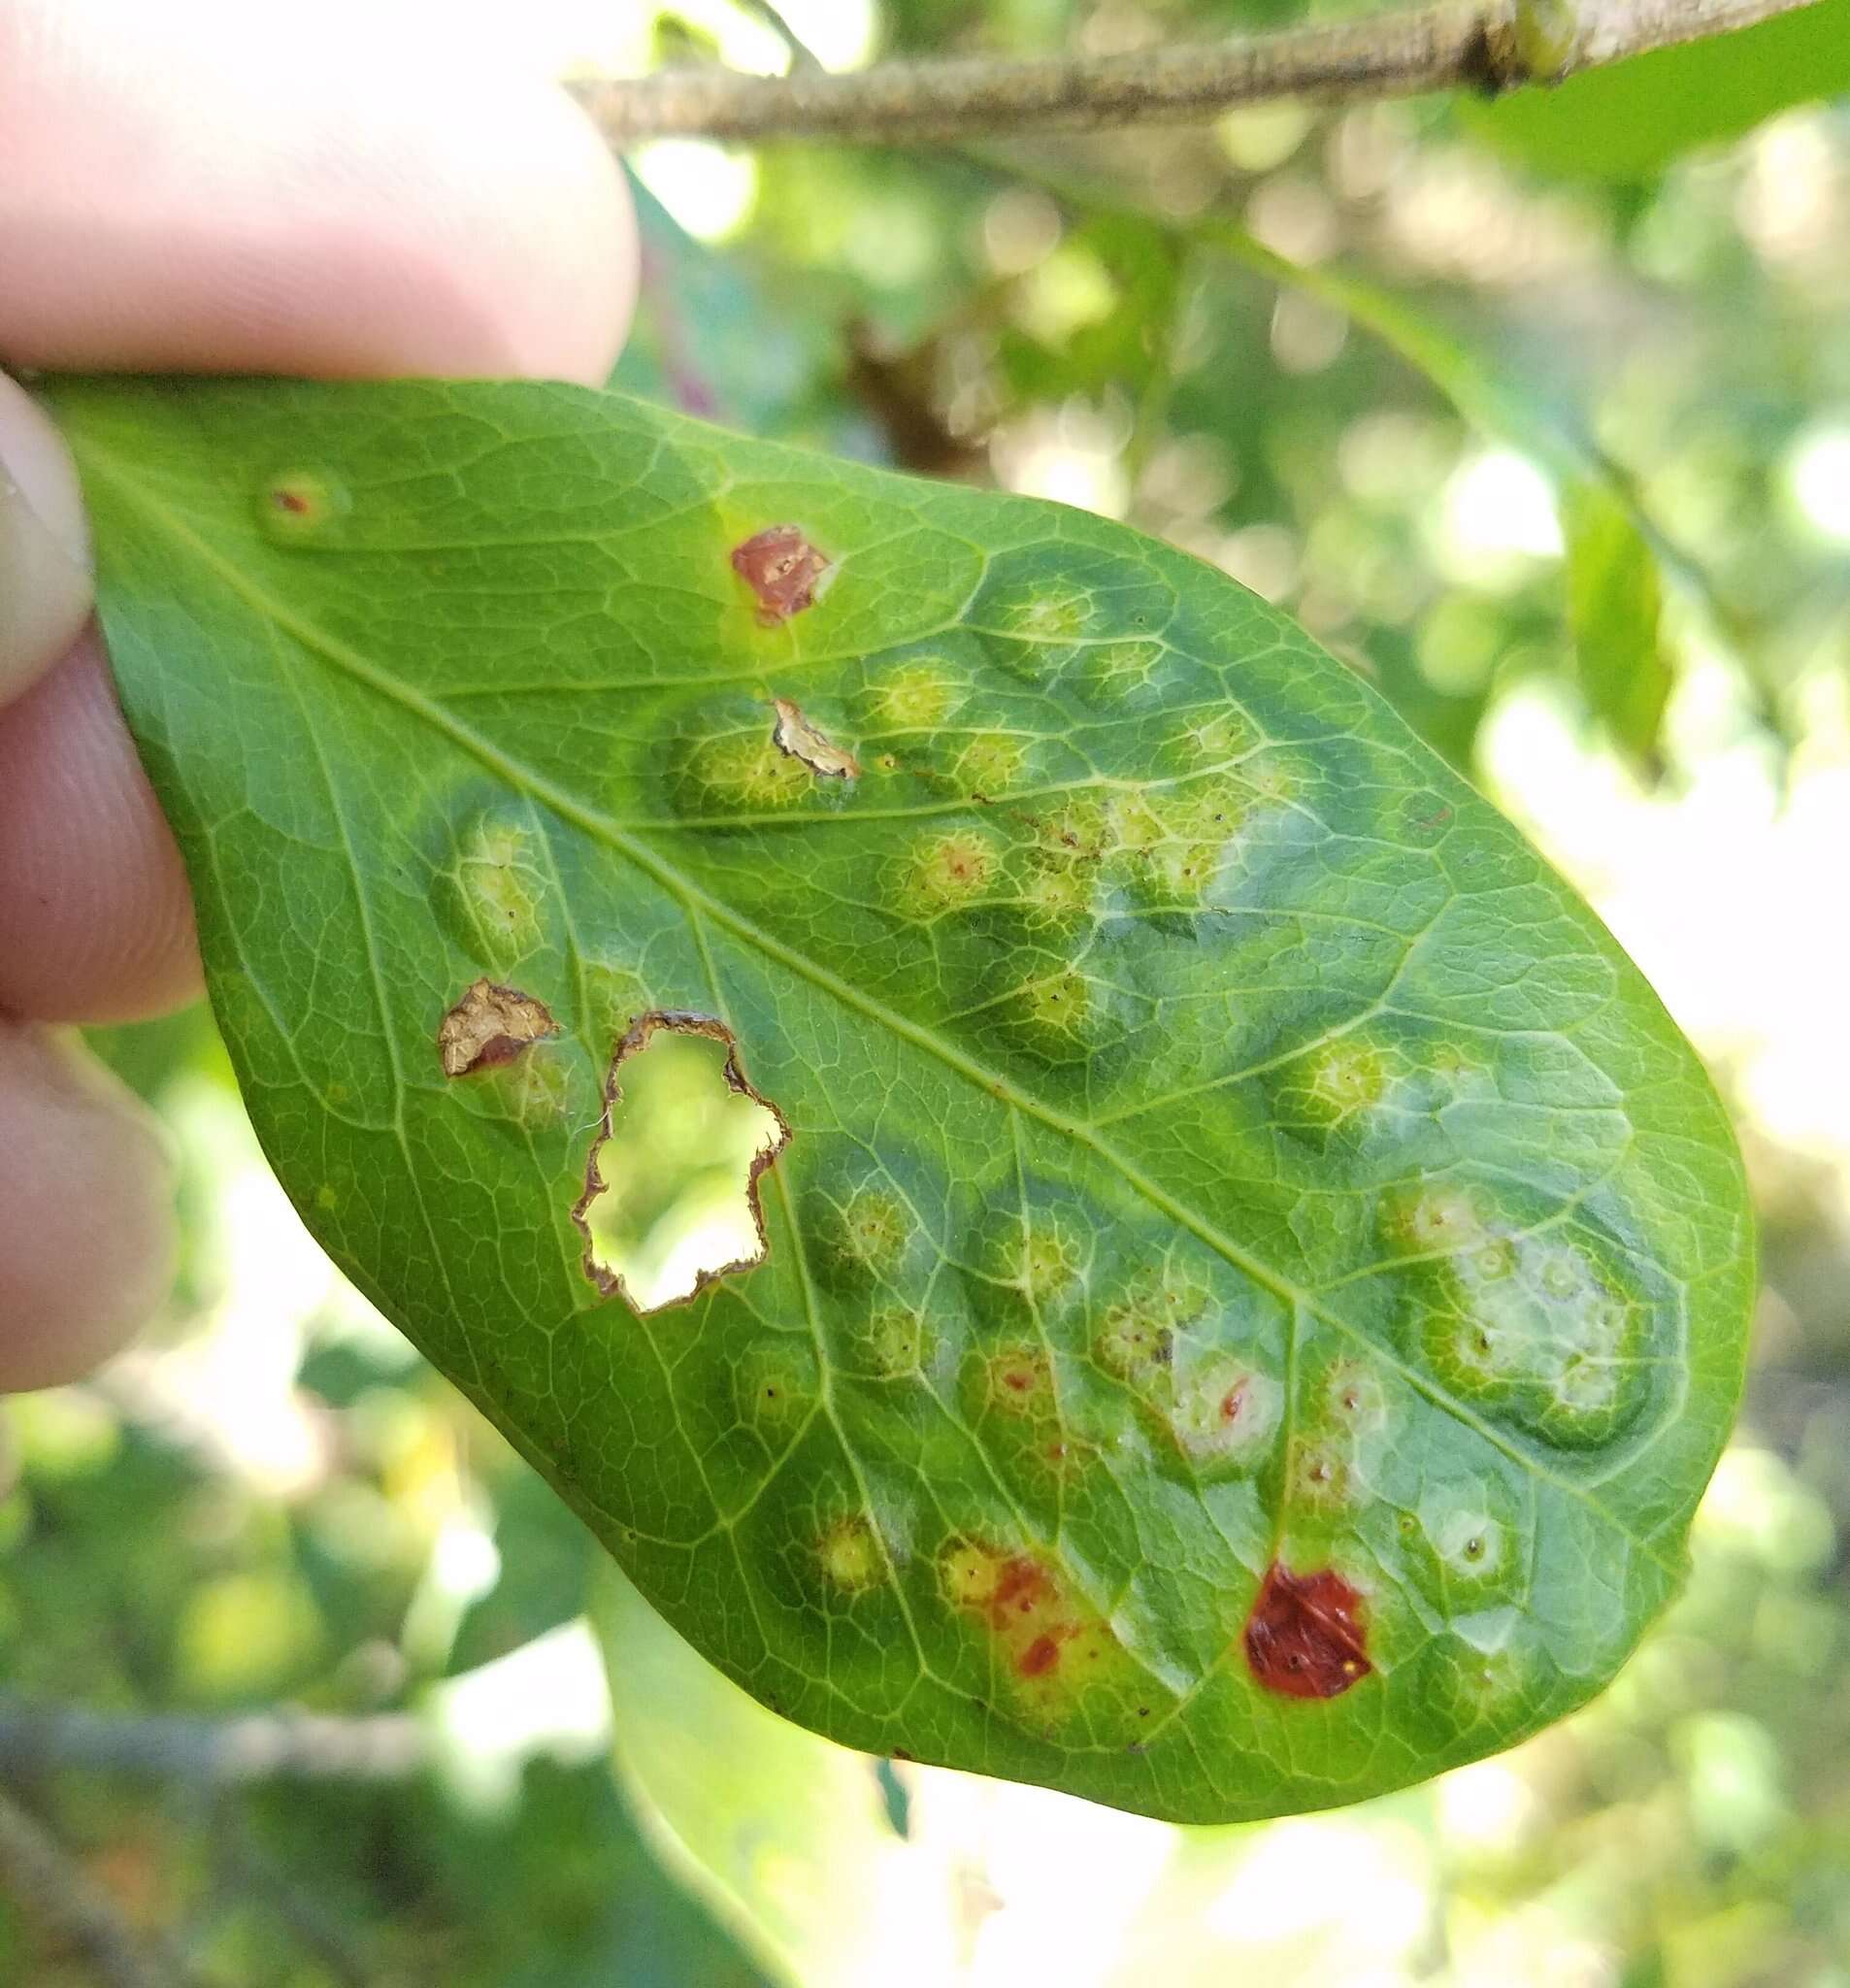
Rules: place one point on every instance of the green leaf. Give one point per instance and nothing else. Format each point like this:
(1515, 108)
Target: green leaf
(1614, 614)
(1496, 402)
(708, 340)
(1629, 121)
(1255, 1284)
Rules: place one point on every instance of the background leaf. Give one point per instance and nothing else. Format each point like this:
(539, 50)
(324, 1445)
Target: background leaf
(1632, 120)
(1615, 608)
(712, 340)
(783, 1836)
(1257, 1286)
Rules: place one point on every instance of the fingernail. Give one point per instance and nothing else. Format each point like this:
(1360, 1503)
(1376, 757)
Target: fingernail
(45, 547)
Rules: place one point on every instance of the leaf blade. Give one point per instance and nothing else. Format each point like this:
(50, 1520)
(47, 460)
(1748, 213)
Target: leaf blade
(1153, 989)
(1632, 120)
(1615, 606)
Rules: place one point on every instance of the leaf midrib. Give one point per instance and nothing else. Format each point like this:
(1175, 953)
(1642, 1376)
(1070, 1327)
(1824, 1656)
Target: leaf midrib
(536, 786)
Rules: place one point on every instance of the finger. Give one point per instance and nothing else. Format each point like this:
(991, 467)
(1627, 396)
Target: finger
(196, 188)
(45, 578)
(95, 919)
(180, 189)
(86, 1241)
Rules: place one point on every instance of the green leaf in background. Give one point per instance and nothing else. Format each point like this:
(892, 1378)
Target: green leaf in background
(1255, 1284)
(783, 1837)
(1615, 606)
(707, 340)
(1632, 120)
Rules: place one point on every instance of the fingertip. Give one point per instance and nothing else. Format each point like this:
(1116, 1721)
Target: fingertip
(95, 915)
(369, 208)
(44, 573)
(88, 1232)
(567, 277)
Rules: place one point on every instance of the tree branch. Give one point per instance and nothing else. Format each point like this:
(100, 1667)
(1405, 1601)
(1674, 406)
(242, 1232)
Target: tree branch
(1483, 44)
(386, 1747)
(62, 1896)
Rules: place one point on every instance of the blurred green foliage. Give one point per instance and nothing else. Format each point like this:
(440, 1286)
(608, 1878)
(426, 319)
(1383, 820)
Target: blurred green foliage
(270, 1503)
(1629, 121)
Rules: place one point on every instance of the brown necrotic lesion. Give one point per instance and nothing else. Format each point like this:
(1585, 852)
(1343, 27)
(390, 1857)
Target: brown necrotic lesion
(490, 1026)
(794, 734)
(782, 569)
(671, 1201)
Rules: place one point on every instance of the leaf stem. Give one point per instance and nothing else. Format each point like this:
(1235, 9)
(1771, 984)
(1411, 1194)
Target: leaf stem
(68, 1903)
(253, 1747)
(802, 57)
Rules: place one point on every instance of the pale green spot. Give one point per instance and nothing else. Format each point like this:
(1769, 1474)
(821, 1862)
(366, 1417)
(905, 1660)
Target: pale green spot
(947, 871)
(497, 881)
(915, 697)
(851, 1555)
(1227, 1412)
(991, 763)
(302, 508)
(745, 772)
(774, 1385)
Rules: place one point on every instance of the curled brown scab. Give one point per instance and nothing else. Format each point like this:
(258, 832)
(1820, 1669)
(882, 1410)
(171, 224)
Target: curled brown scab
(489, 1026)
(795, 735)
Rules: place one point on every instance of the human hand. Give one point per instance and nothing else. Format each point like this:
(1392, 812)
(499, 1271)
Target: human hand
(194, 188)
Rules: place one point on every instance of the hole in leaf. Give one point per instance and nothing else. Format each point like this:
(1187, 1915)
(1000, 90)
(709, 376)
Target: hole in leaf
(671, 1190)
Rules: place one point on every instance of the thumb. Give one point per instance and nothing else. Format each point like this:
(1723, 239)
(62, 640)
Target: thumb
(87, 1232)
(86, 1225)
(45, 553)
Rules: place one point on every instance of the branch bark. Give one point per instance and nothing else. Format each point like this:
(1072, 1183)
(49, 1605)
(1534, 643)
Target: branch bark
(1482, 45)
(70, 1905)
(258, 1747)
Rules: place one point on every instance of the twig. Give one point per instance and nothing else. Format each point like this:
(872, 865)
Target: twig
(65, 1900)
(387, 1746)
(1484, 45)
(246, 1872)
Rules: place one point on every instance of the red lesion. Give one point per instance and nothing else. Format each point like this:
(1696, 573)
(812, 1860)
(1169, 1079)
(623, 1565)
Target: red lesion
(1029, 1615)
(1305, 1636)
(1039, 1657)
(782, 569)
(294, 502)
(1022, 1588)
(1019, 1382)
(1055, 1651)
(1023, 1605)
